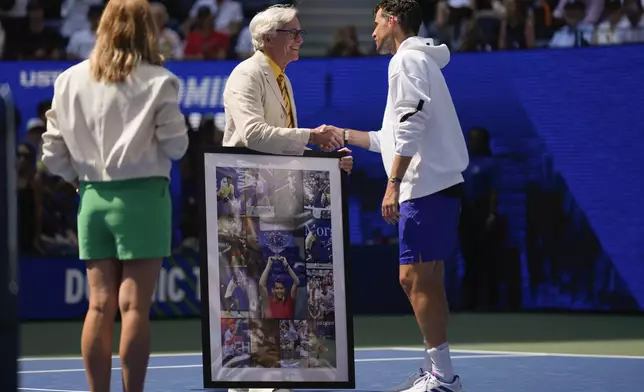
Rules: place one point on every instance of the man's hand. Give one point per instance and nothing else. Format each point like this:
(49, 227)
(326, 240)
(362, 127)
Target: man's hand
(346, 163)
(327, 137)
(390, 202)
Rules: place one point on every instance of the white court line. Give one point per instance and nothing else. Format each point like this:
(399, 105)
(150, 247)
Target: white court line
(168, 355)
(526, 353)
(415, 349)
(48, 390)
(47, 371)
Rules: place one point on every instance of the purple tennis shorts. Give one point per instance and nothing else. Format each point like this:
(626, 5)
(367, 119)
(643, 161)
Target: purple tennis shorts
(428, 228)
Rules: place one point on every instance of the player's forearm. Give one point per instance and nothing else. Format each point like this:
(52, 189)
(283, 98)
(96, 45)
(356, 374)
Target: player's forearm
(400, 166)
(293, 275)
(264, 277)
(358, 138)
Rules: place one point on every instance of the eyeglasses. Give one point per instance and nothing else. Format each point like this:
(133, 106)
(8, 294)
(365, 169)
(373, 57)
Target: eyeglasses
(293, 32)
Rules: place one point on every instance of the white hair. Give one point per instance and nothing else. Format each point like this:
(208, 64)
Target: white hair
(266, 23)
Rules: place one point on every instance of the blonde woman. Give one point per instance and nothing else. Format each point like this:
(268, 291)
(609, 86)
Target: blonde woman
(114, 129)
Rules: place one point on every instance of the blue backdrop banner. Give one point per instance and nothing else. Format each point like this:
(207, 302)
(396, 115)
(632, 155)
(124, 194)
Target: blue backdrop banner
(535, 104)
(56, 288)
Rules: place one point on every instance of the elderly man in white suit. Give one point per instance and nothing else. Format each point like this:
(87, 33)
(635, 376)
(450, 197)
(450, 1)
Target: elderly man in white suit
(258, 98)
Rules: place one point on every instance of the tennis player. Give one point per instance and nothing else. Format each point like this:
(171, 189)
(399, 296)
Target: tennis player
(113, 129)
(424, 154)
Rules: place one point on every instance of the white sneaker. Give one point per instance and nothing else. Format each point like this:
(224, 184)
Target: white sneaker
(427, 382)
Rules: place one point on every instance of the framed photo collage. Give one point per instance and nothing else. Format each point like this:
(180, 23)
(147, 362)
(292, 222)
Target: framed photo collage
(274, 282)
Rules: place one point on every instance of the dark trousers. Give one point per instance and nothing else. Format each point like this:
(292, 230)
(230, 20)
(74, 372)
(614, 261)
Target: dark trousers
(479, 249)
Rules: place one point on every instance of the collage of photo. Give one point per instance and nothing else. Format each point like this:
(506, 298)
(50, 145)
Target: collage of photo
(276, 268)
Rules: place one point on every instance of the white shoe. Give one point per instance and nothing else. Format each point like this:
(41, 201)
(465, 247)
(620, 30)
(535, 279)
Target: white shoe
(427, 382)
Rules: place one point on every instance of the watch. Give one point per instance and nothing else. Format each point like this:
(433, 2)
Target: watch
(346, 136)
(395, 180)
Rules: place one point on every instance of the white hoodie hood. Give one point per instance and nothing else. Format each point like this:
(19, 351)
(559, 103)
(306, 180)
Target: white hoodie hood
(440, 53)
(420, 122)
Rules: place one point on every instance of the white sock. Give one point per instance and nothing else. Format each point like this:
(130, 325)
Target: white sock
(428, 359)
(441, 362)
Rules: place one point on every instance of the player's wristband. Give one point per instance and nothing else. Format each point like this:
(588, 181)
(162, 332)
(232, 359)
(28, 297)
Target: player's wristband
(395, 180)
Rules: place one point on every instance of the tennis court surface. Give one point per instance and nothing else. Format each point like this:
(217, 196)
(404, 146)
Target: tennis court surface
(381, 369)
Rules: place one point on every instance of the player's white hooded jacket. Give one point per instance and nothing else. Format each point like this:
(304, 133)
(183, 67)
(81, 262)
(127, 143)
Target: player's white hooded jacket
(420, 121)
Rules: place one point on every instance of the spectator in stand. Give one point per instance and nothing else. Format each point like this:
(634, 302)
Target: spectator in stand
(452, 17)
(244, 45)
(483, 26)
(632, 27)
(75, 15)
(576, 32)
(517, 26)
(170, 44)
(229, 17)
(345, 43)
(82, 41)
(593, 10)
(607, 32)
(35, 128)
(13, 14)
(204, 43)
(34, 41)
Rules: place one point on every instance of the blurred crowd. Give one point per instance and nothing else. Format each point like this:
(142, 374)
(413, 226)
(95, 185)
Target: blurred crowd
(218, 29)
(66, 29)
(489, 25)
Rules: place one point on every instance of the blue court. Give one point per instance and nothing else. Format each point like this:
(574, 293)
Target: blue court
(381, 369)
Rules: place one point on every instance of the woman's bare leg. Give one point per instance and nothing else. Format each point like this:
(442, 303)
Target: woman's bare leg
(135, 299)
(104, 277)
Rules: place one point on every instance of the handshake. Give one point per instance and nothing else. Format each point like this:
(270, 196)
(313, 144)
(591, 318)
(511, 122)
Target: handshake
(327, 137)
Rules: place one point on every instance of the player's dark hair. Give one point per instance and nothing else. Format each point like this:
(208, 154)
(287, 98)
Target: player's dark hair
(407, 12)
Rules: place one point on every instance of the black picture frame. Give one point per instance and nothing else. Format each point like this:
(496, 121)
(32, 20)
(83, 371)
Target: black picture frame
(289, 377)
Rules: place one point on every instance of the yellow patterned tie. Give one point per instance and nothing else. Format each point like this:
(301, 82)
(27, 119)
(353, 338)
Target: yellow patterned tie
(290, 123)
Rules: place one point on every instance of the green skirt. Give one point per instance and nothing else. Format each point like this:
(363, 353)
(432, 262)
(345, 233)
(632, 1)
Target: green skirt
(125, 220)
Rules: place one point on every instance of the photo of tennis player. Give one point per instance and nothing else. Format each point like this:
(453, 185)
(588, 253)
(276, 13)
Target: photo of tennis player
(235, 292)
(228, 204)
(282, 284)
(317, 193)
(287, 192)
(240, 265)
(322, 350)
(320, 293)
(264, 343)
(318, 247)
(255, 191)
(278, 299)
(235, 343)
(294, 350)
